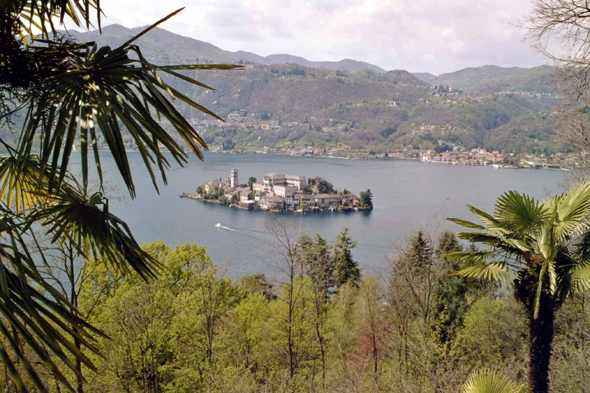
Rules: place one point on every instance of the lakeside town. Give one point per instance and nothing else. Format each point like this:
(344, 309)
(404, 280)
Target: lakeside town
(476, 157)
(280, 192)
(451, 154)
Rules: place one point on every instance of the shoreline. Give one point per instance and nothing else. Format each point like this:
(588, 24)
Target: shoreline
(306, 156)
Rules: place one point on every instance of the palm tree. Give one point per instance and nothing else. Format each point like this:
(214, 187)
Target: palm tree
(68, 91)
(542, 248)
(489, 381)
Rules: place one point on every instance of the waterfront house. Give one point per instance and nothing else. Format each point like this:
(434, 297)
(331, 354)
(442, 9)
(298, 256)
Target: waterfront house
(276, 203)
(325, 200)
(213, 186)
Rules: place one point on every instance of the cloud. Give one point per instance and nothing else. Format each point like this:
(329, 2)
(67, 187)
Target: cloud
(416, 35)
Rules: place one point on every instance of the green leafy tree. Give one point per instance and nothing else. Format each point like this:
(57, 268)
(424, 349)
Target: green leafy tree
(164, 331)
(249, 335)
(317, 185)
(318, 264)
(228, 144)
(366, 199)
(258, 284)
(542, 248)
(67, 91)
(345, 267)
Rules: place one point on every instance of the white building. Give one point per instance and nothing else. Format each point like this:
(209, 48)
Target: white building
(259, 186)
(278, 179)
(283, 191)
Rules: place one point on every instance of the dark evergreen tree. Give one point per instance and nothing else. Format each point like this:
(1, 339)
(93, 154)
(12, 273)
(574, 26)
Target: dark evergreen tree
(314, 255)
(251, 181)
(366, 199)
(345, 268)
(451, 303)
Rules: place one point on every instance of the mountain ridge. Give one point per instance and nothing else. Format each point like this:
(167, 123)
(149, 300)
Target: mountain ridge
(214, 53)
(275, 102)
(118, 34)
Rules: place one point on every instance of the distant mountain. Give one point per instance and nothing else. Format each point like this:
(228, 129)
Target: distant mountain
(298, 92)
(284, 100)
(425, 76)
(346, 64)
(493, 79)
(161, 45)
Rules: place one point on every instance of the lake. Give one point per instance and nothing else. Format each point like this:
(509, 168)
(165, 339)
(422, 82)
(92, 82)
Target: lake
(408, 196)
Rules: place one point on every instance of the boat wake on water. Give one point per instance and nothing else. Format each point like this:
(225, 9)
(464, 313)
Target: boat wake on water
(218, 225)
(243, 231)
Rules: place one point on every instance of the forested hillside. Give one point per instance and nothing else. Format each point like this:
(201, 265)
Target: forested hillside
(493, 79)
(322, 328)
(355, 106)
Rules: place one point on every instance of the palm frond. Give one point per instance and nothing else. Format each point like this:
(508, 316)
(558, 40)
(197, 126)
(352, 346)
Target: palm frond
(511, 246)
(84, 220)
(35, 315)
(39, 15)
(579, 276)
(520, 212)
(101, 89)
(466, 224)
(515, 244)
(492, 271)
(546, 242)
(487, 219)
(573, 210)
(473, 257)
(491, 381)
(480, 237)
(19, 178)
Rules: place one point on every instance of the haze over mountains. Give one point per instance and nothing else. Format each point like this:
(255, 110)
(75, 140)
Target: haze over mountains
(167, 44)
(281, 100)
(189, 48)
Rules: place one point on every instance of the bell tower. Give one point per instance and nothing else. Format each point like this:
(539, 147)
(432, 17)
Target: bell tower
(233, 178)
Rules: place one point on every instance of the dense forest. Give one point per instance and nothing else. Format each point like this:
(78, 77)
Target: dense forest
(315, 324)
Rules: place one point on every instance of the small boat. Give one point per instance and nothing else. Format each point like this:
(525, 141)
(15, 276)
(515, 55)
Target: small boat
(218, 225)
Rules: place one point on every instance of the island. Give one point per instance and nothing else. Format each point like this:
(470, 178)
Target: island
(280, 192)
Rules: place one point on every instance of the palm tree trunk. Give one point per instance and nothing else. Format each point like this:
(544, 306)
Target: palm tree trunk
(541, 338)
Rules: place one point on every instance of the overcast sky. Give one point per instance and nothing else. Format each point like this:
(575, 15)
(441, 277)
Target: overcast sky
(434, 36)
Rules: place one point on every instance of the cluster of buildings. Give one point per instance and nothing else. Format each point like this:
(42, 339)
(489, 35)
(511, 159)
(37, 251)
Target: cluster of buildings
(276, 191)
(497, 159)
(470, 157)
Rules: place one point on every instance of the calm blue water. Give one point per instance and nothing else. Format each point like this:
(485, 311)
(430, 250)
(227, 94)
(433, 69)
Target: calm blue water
(408, 196)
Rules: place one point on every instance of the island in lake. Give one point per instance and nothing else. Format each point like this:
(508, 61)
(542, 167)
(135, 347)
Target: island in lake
(279, 192)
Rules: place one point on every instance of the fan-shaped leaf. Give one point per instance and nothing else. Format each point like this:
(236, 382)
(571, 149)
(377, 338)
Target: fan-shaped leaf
(490, 381)
(579, 276)
(520, 213)
(573, 210)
